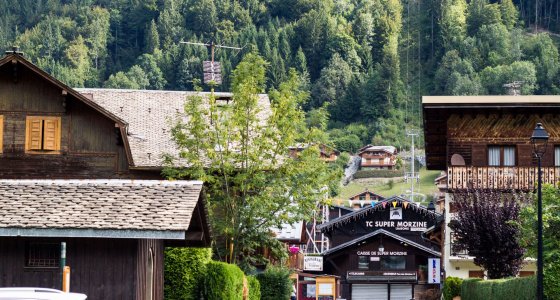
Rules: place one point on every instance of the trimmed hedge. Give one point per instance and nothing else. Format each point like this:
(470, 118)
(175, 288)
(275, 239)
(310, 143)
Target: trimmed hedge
(552, 281)
(452, 287)
(184, 269)
(522, 288)
(254, 288)
(223, 281)
(364, 173)
(275, 284)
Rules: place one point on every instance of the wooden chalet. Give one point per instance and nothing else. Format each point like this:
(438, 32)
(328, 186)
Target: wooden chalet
(483, 142)
(382, 252)
(74, 173)
(378, 157)
(327, 153)
(366, 197)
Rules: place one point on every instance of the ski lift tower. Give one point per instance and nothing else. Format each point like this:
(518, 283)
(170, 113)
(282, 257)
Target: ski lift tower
(412, 176)
(212, 69)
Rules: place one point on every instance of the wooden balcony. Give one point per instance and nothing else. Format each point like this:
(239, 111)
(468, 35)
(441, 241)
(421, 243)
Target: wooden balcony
(295, 261)
(499, 178)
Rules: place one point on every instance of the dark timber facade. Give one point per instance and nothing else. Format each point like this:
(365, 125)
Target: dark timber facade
(67, 174)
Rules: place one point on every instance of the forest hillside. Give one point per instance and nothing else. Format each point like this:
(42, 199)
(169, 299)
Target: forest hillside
(366, 63)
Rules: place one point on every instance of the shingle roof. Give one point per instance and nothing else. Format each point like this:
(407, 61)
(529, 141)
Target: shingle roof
(150, 115)
(98, 204)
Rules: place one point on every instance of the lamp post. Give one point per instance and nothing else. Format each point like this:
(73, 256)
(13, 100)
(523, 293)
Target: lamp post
(539, 139)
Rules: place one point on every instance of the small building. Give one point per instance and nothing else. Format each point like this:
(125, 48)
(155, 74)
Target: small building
(378, 157)
(327, 153)
(380, 252)
(364, 198)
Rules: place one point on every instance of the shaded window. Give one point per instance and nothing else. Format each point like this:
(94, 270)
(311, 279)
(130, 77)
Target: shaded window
(501, 156)
(363, 262)
(493, 156)
(509, 156)
(557, 156)
(42, 255)
(393, 262)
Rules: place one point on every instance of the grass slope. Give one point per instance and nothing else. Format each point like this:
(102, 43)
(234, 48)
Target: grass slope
(383, 187)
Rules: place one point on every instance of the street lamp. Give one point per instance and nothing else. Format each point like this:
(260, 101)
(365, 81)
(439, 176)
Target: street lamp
(539, 139)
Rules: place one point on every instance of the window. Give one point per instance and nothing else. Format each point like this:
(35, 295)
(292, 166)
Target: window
(557, 156)
(363, 262)
(42, 134)
(501, 156)
(42, 255)
(393, 262)
(1, 133)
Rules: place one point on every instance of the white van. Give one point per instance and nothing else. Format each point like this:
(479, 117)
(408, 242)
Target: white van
(28, 293)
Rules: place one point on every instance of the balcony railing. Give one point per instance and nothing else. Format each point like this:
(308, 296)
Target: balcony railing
(499, 178)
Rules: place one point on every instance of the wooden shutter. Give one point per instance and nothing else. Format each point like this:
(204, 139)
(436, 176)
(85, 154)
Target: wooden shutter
(525, 155)
(478, 153)
(35, 133)
(51, 137)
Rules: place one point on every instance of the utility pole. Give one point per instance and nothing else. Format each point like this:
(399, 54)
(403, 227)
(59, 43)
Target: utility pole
(413, 176)
(212, 70)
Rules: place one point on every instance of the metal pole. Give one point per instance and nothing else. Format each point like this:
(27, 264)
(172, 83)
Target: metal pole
(540, 277)
(413, 174)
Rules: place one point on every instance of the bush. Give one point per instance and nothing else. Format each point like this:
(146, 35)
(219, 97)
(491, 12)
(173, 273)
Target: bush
(223, 281)
(523, 288)
(275, 284)
(254, 288)
(184, 269)
(452, 287)
(377, 173)
(552, 281)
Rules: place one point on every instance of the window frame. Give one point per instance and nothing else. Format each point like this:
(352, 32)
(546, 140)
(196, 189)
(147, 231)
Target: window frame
(501, 150)
(57, 134)
(33, 248)
(383, 262)
(361, 264)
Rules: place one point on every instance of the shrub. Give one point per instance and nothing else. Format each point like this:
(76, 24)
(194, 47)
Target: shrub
(523, 288)
(275, 284)
(377, 173)
(452, 287)
(223, 281)
(184, 269)
(254, 288)
(552, 281)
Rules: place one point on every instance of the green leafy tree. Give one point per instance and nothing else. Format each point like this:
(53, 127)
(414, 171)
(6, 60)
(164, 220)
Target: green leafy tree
(551, 237)
(253, 185)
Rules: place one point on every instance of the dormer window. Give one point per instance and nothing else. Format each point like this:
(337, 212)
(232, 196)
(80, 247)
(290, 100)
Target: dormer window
(42, 134)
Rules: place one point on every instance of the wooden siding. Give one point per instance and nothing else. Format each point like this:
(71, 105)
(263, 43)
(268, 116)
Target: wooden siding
(145, 248)
(87, 143)
(101, 268)
(500, 178)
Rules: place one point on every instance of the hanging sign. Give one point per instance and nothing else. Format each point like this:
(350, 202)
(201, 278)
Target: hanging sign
(434, 270)
(313, 263)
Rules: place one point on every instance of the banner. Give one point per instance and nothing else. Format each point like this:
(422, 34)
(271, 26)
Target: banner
(434, 271)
